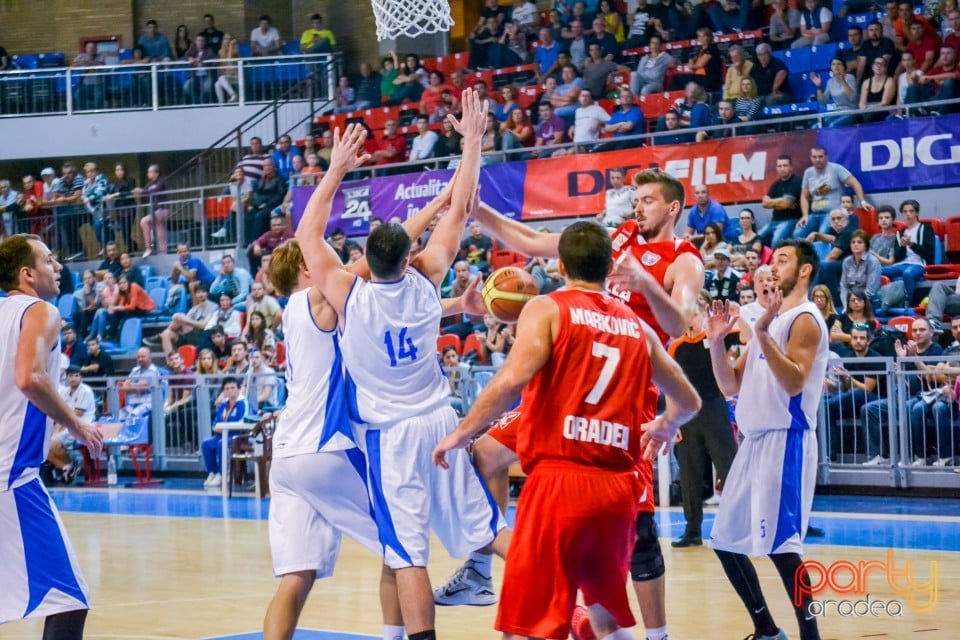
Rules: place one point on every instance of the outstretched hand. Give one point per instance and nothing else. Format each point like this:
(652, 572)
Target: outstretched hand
(449, 442)
(472, 298)
(720, 320)
(346, 146)
(771, 300)
(473, 119)
(657, 438)
(91, 436)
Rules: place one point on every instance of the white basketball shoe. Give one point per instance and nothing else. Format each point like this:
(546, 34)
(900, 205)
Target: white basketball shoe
(466, 586)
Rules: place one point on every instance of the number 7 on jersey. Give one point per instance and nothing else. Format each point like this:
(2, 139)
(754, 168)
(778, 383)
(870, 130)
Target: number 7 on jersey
(611, 358)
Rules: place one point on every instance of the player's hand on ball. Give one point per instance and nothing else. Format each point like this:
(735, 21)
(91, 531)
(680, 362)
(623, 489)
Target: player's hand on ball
(473, 298)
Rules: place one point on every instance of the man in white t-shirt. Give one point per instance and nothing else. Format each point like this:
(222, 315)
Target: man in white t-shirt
(619, 197)
(78, 397)
(421, 147)
(265, 39)
(588, 119)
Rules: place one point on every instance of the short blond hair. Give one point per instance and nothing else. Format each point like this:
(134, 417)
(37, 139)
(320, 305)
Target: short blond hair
(286, 261)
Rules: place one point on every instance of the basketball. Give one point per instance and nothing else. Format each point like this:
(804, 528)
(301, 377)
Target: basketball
(506, 291)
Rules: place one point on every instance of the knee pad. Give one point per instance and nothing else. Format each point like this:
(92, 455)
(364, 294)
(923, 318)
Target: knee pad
(646, 563)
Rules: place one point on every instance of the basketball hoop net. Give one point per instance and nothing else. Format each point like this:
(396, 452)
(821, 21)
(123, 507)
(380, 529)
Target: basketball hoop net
(410, 18)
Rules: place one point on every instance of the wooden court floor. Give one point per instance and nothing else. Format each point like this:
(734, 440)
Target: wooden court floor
(204, 577)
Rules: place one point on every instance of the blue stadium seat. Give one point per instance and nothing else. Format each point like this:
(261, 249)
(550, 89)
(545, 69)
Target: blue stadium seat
(801, 86)
(152, 282)
(797, 60)
(77, 280)
(159, 297)
(244, 48)
(52, 60)
(131, 337)
(821, 55)
(125, 54)
(791, 109)
(146, 271)
(290, 48)
(26, 61)
(66, 305)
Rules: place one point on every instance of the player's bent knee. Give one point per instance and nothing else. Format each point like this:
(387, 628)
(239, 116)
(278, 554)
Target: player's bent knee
(492, 458)
(646, 563)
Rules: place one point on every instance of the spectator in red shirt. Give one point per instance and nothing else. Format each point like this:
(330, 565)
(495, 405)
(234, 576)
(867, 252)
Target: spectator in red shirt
(953, 40)
(923, 46)
(907, 17)
(392, 146)
(32, 199)
(430, 98)
(265, 244)
(940, 83)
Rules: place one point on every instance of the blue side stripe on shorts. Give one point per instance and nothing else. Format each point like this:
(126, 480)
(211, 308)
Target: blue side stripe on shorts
(44, 549)
(30, 449)
(790, 517)
(381, 512)
(495, 517)
(335, 417)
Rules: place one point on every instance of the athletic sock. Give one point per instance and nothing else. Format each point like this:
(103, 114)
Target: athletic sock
(790, 567)
(424, 635)
(743, 577)
(392, 632)
(482, 563)
(660, 633)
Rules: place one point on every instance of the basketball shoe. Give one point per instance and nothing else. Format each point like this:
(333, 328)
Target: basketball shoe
(580, 625)
(780, 636)
(466, 587)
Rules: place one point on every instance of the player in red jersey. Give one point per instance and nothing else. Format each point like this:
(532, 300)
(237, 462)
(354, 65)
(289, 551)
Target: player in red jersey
(660, 279)
(584, 443)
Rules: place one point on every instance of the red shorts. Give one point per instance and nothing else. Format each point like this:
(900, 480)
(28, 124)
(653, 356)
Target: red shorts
(645, 481)
(575, 530)
(504, 430)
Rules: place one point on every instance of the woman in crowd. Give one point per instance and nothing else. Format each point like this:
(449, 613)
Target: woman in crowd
(411, 80)
(612, 20)
(108, 296)
(824, 301)
(132, 302)
(227, 74)
(181, 42)
(877, 91)
(707, 65)
(95, 189)
(712, 238)
(154, 224)
(857, 311)
(516, 132)
(207, 363)
(88, 301)
(258, 334)
(748, 238)
(748, 106)
(509, 94)
(227, 318)
(232, 408)
(124, 206)
(840, 90)
(652, 69)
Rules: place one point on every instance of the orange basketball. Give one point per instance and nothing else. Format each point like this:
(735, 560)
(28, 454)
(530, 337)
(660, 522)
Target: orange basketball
(506, 291)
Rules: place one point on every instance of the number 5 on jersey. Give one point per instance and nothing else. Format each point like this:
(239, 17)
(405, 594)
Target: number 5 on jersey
(404, 347)
(611, 358)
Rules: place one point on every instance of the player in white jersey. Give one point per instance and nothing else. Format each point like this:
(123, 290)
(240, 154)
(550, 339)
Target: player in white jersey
(768, 494)
(318, 478)
(39, 575)
(389, 329)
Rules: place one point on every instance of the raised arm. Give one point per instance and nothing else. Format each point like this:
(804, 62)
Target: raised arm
(436, 258)
(38, 336)
(325, 266)
(517, 235)
(720, 322)
(532, 349)
(791, 367)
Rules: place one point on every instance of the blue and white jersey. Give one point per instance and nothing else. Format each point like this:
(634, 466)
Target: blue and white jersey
(764, 404)
(25, 430)
(389, 343)
(315, 418)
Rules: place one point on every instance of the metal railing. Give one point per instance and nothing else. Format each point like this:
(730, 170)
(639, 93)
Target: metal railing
(164, 85)
(904, 432)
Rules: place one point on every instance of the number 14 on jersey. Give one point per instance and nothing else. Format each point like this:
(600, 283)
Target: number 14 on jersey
(402, 348)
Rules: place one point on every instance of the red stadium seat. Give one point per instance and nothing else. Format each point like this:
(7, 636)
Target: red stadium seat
(189, 354)
(449, 339)
(218, 208)
(904, 323)
(506, 258)
(472, 343)
(951, 242)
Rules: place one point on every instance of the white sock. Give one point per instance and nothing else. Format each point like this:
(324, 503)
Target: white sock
(660, 633)
(619, 634)
(392, 632)
(482, 562)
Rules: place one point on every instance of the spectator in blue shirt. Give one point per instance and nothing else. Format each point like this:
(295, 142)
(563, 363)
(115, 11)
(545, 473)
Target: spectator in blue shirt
(627, 120)
(546, 55)
(703, 213)
(190, 270)
(156, 47)
(283, 156)
(231, 407)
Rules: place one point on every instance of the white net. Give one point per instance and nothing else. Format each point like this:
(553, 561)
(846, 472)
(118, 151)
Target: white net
(410, 18)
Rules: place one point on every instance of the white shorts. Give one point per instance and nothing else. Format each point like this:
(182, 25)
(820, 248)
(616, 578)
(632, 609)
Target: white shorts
(768, 494)
(411, 495)
(39, 574)
(314, 498)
